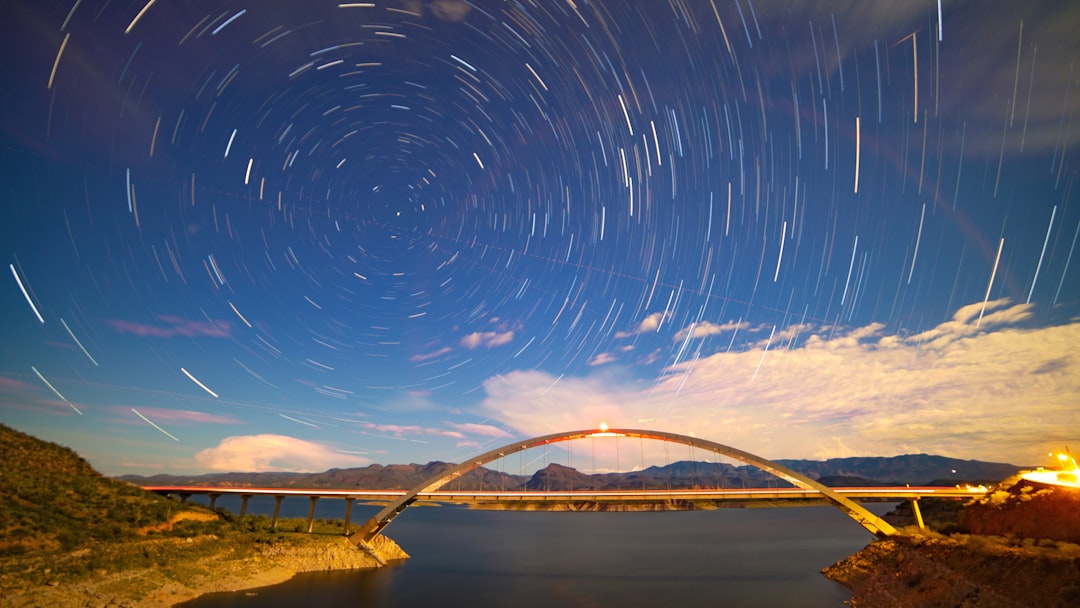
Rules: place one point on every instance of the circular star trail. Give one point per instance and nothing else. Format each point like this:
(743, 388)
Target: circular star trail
(403, 230)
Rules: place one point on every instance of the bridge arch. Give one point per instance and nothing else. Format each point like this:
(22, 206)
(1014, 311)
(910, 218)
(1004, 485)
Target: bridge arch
(374, 526)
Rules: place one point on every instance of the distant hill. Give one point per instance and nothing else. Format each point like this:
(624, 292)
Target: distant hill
(914, 469)
(376, 476)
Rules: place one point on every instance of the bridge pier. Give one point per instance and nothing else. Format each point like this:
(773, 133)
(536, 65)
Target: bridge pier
(213, 500)
(311, 513)
(918, 513)
(348, 513)
(243, 504)
(277, 509)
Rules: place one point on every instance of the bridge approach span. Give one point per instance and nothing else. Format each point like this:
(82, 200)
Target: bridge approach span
(374, 526)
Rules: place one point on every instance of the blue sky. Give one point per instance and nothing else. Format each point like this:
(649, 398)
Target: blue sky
(279, 235)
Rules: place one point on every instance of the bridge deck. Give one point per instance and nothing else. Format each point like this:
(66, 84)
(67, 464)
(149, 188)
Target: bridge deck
(488, 496)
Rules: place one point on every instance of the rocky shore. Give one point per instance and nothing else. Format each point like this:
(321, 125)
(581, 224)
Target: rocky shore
(211, 571)
(1015, 547)
(967, 571)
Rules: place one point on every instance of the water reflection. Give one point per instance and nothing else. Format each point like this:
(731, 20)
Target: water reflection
(733, 557)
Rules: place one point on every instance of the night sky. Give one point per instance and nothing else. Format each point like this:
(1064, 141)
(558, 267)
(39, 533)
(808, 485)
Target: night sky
(302, 235)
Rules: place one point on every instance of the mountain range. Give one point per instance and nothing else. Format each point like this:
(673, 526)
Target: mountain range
(914, 469)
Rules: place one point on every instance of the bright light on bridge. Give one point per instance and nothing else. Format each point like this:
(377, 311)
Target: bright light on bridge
(603, 432)
(1068, 476)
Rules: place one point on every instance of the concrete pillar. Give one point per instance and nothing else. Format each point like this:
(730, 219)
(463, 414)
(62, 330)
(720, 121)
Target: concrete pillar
(277, 508)
(243, 504)
(918, 513)
(183, 497)
(213, 500)
(311, 513)
(348, 512)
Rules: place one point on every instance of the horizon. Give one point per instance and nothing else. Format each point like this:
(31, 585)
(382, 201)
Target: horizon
(275, 236)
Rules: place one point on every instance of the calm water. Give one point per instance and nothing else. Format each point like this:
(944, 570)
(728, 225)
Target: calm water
(729, 557)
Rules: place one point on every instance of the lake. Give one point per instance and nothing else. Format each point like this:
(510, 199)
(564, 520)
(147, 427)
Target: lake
(728, 557)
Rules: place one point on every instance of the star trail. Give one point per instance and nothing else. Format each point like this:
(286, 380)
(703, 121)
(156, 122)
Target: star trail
(406, 230)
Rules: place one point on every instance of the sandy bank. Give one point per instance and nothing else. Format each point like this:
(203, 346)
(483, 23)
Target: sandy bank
(182, 579)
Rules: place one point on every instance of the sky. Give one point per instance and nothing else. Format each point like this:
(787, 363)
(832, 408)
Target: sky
(283, 235)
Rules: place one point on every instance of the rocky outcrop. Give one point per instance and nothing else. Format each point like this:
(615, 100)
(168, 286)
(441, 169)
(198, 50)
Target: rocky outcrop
(334, 554)
(1015, 550)
(1026, 510)
(971, 572)
(216, 571)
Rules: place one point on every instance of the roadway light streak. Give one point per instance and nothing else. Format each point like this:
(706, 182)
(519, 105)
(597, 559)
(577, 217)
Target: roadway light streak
(56, 63)
(83, 348)
(196, 381)
(151, 423)
(53, 389)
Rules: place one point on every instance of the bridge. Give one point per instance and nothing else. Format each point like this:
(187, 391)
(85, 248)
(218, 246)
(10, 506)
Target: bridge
(805, 489)
(771, 496)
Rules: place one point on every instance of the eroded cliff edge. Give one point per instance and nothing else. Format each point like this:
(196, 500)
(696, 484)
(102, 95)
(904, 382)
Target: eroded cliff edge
(72, 537)
(1015, 547)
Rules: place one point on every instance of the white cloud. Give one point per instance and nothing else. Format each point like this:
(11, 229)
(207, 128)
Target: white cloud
(601, 359)
(473, 428)
(705, 328)
(256, 453)
(535, 403)
(487, 339)
(648, 324)
(992, 392)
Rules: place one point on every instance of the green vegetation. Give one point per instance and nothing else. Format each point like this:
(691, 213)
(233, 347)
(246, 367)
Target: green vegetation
(70, 536)
(50, 498)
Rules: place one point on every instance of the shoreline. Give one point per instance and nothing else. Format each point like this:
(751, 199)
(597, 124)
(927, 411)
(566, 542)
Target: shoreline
(216, 569)
(960, 570)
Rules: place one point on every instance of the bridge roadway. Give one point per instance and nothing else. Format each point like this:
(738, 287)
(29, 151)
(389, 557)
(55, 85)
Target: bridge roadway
(479, 497)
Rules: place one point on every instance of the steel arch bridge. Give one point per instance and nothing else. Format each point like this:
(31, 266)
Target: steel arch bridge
(374, 526)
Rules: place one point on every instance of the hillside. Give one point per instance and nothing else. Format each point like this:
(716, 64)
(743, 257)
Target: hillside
(1013, 547)
(376, 476)
(50, 498)
(72, 537)
(916, 469)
